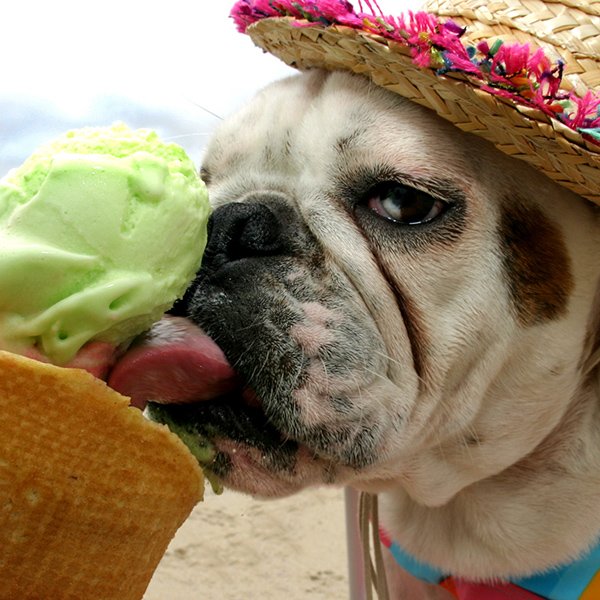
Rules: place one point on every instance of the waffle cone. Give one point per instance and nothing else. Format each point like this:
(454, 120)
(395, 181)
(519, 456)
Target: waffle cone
(91, 492)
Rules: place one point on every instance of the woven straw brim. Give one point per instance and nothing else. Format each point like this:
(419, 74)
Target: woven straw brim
(91, 492)
(519, 131)
(568, 30)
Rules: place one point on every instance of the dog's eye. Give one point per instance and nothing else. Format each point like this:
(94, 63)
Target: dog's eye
(405, 205)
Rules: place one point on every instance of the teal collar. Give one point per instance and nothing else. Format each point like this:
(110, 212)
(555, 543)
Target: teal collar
(569, 582)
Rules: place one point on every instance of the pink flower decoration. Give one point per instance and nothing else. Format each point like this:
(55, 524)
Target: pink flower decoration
(511, 71)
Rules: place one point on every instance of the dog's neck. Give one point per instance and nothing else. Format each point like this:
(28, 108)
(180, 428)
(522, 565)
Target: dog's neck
(541, 511)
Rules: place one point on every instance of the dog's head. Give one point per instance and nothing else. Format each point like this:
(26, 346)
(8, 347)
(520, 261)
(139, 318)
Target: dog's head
(398, 300)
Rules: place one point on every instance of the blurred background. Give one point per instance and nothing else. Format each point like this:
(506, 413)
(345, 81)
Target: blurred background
(178, 67)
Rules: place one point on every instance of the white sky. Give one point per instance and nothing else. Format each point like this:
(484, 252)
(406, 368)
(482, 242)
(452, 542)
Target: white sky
(62, 61)
(72, 50)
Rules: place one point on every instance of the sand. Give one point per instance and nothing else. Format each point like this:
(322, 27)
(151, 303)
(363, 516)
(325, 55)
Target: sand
(234, 547)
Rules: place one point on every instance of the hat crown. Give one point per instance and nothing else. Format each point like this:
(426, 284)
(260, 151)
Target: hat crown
(565, 29)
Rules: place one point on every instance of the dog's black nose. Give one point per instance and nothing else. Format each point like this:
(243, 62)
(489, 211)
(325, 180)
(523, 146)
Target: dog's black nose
(237, 230)
(242, 230)
(265, 225)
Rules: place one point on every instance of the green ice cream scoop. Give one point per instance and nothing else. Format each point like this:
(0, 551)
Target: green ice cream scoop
(100, 232)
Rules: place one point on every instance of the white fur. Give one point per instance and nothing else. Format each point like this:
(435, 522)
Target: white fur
(527, 495)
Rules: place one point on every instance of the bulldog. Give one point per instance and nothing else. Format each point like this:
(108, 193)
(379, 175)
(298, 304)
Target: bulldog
(391, 304)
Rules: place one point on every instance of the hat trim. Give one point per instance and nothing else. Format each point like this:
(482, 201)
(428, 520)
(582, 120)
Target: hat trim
(514, 72)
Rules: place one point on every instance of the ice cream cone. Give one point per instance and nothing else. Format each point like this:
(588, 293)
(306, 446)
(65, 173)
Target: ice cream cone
(91, 492)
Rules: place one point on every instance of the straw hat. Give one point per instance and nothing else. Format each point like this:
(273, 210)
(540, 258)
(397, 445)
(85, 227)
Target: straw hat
(523, 74)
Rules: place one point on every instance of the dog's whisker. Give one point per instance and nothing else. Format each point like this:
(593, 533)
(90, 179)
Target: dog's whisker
(206, 110)
(188, 135)
(389, 358)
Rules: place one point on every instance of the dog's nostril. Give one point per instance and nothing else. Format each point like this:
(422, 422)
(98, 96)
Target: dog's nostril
(241, 230)
(260, 233)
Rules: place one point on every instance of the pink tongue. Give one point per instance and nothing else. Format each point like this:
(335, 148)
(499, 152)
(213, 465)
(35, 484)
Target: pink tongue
(177, 362)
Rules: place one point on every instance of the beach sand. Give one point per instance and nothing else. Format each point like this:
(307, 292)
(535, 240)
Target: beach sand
(234, 547)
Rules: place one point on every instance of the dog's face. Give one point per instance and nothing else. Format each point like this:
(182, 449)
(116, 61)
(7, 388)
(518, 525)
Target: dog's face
(400, 302)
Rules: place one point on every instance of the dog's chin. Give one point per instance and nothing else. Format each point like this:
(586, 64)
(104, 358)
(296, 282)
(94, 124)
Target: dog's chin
(249, 471)
(236, 443)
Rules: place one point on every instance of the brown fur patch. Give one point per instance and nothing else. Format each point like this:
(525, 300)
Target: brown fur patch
(536, 263)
